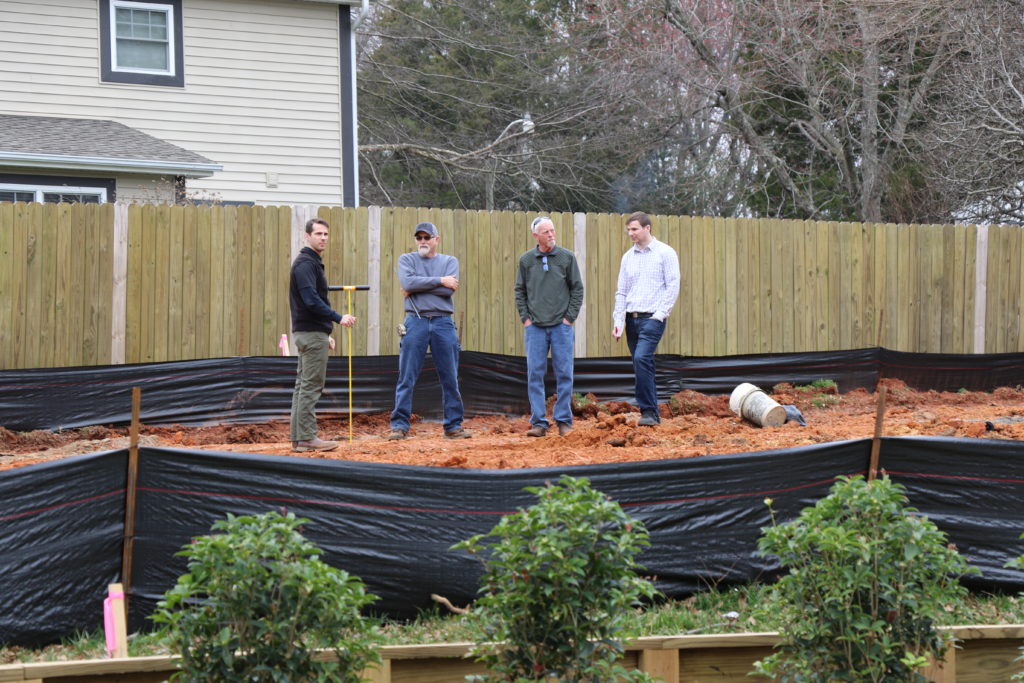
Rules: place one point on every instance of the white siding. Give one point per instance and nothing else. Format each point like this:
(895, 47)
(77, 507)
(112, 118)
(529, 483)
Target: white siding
(261, 94)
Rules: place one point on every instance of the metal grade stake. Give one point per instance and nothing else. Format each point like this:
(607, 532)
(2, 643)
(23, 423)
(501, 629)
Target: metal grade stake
(349, 289)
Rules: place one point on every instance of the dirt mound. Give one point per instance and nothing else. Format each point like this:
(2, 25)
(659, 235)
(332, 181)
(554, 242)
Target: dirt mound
(690, 402)
(35, 440)
(693, 425)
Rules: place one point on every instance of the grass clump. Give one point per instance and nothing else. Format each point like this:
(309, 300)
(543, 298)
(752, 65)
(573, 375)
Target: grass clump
(821, 393)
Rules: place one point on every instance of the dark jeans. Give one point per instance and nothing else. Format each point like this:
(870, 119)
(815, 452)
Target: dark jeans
(439, 334)
(559, 339)
(643, 335)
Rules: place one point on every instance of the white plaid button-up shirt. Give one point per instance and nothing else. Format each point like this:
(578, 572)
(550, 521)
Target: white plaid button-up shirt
(648, 282)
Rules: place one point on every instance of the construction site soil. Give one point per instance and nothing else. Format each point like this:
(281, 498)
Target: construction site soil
(693, 425)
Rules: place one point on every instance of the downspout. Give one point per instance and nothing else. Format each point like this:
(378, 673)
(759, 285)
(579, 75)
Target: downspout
(362, 13)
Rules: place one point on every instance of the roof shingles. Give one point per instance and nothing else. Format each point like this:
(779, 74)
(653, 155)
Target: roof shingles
(87, 138)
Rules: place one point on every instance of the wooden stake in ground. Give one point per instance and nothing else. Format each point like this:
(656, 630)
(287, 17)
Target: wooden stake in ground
(114, 623)
(129, 499)
(876, 443)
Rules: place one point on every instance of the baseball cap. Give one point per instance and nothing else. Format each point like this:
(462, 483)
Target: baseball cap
(426, 227)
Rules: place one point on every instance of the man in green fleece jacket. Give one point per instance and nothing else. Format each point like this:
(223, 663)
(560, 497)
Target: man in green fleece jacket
(549, 294)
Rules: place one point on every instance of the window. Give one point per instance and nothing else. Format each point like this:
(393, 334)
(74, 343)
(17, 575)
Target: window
(141, 42)
(52, 194)
(140, 39)
(12, 195)
(73, 198)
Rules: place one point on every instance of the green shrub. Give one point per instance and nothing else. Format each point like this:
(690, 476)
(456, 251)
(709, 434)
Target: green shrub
(559, 581)
(257, 602)
(867, 578)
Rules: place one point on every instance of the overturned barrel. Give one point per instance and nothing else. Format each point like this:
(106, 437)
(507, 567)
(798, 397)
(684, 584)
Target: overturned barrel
(753, 404)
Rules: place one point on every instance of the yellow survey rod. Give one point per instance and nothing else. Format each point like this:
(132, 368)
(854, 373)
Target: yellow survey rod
(349, 289)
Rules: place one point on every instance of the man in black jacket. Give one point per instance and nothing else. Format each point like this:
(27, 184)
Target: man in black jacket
(313, 320)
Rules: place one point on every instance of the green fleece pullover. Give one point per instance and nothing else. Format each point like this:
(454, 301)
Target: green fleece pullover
(546, 293)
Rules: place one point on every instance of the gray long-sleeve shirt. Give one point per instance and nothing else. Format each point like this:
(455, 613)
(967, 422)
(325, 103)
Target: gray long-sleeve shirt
(421, 277)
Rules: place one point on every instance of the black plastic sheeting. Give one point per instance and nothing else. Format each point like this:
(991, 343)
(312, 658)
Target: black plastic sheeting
(61, 531)
(252, 389)
(393, 526)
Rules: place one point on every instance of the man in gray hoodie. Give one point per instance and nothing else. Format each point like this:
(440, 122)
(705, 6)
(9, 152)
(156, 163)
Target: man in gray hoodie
(428, 281)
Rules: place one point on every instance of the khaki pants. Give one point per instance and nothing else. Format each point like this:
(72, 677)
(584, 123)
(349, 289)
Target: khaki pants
(309, 382)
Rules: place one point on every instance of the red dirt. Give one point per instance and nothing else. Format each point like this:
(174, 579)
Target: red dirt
(701, 425)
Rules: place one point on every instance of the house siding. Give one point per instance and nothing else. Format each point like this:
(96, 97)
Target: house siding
(142, 189)
(261, 91)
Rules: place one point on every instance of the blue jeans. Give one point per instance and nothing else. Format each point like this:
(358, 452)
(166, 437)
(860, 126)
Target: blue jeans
(559, 339)
(439, 334)
(643, 335)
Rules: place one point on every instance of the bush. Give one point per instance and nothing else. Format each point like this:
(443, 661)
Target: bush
(866, 579)
(559, 579)
(257, 602)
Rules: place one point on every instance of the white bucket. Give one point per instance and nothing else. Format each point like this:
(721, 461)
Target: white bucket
(751, 403)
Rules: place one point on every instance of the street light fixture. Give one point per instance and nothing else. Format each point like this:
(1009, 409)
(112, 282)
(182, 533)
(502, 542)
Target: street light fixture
(527, 127)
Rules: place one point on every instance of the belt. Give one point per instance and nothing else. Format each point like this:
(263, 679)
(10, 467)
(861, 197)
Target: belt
(636, 314)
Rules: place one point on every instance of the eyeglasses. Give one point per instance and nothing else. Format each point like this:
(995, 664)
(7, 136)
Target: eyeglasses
(544, 261)
(424, 238)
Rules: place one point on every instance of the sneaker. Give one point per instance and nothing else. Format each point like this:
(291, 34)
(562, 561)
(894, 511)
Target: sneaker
(313, 445)
(564, 428)
(648, 420)
(397, 434)
(459, 433)
(537, 430)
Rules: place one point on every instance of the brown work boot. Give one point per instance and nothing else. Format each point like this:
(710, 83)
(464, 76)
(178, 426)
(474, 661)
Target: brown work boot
(564, 428)
(396, 435)
(313, 445)
(459, 433)
(537, 430)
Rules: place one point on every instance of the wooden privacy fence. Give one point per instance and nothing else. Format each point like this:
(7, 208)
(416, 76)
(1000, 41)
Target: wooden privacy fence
(109, 284)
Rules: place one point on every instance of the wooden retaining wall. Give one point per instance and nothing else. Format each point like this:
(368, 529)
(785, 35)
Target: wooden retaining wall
(985, 654)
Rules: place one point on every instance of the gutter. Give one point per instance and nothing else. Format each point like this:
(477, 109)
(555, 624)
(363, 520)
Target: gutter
(79, 163)
(352, 3)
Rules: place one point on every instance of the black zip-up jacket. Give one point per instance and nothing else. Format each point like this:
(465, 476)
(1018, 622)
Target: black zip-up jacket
(307, 294)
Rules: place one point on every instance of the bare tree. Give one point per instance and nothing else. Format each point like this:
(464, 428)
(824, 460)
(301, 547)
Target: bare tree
(975, 137)
(528, 104)
(825, 95)
(879, 110)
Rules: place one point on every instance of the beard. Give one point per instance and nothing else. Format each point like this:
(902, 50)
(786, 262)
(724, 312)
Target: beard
(423, 249)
